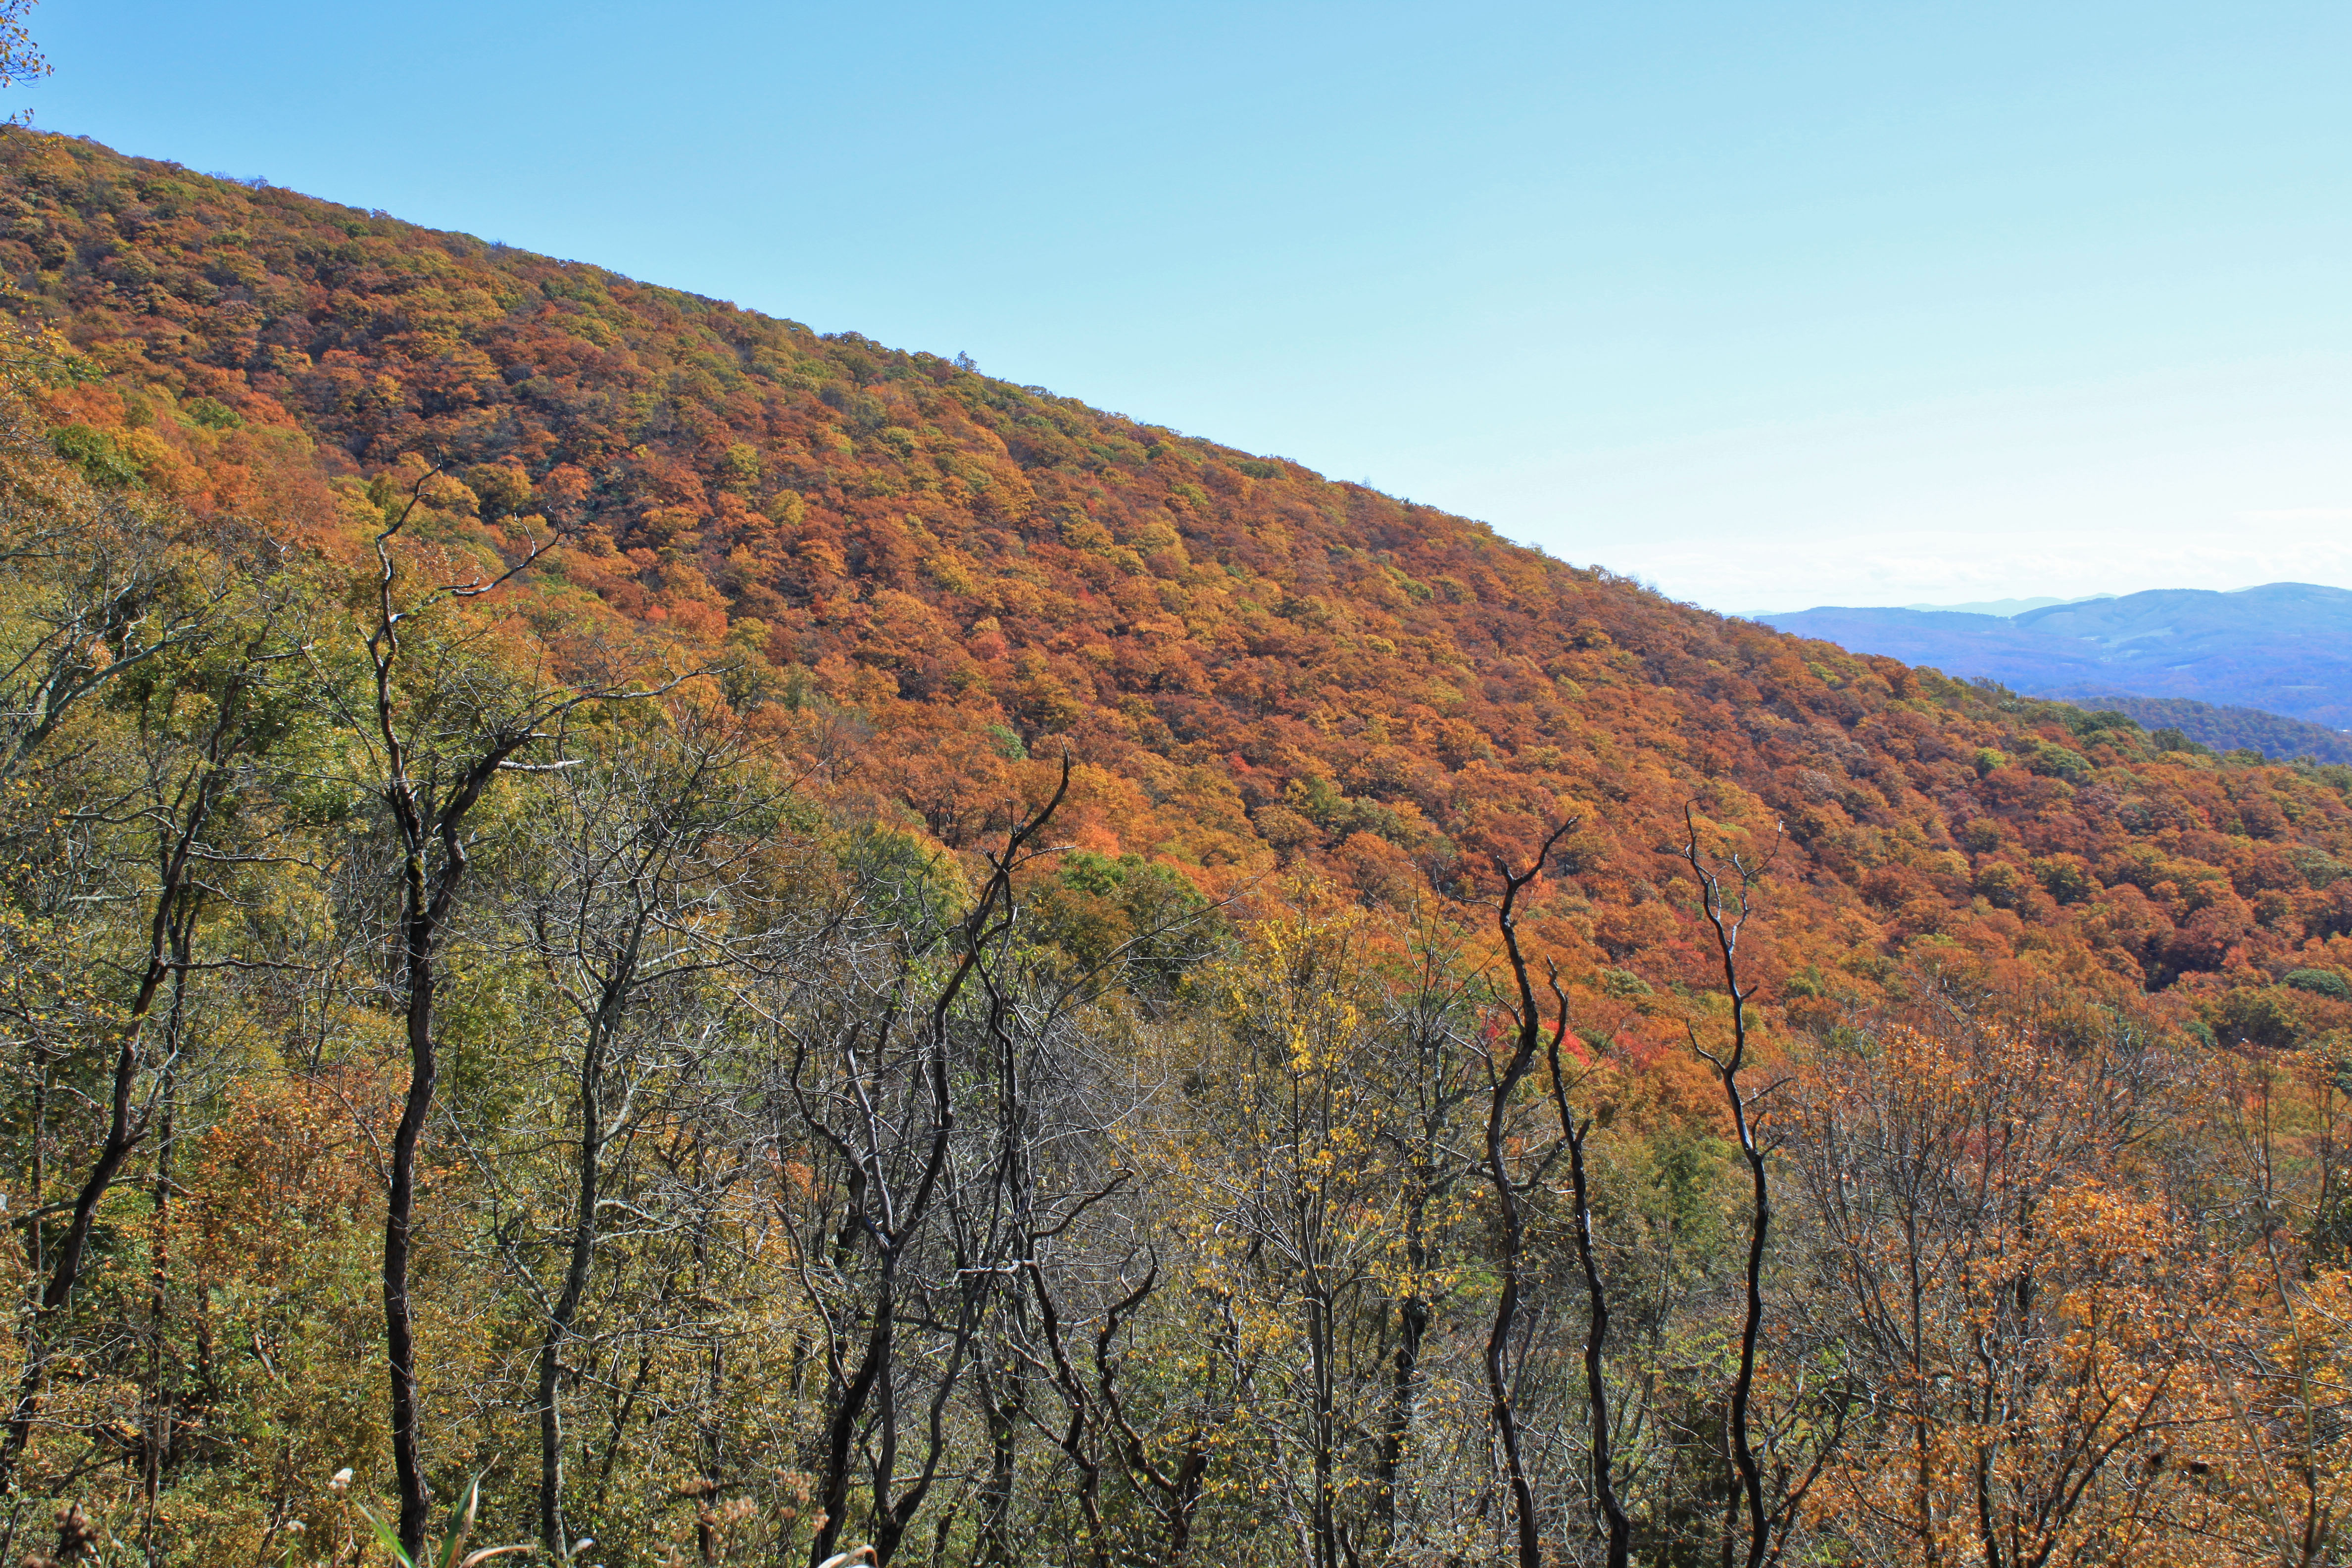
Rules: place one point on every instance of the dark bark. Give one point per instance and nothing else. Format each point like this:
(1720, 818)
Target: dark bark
(1077, 1438)
(431, 830)
(1323, 1520)
(1431, 1169)
(891, 1227)
(1511, 1246)
(1002, 1394)
(611, 929)
(1614, 1522)
(1600, 1436)
(1175, 1493)
(1413, 1329)
(155, 1455)
(566, 1308)
(429, 796)
(1725, 909)
(421, 931)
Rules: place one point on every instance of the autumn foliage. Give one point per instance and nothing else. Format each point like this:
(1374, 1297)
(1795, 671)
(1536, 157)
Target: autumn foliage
(1131, 1158)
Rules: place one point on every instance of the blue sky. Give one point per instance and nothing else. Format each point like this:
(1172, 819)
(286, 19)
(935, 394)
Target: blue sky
(1771, 305)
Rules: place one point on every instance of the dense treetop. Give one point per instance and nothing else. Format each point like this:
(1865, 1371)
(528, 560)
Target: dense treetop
(1254, 667)
(2219, 727)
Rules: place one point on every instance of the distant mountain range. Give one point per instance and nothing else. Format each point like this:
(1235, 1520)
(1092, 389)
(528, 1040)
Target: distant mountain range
(2285, 647)
(2011, 607)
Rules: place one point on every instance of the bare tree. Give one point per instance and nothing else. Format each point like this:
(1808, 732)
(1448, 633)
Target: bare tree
(1434, 1087)
(113, 592)
(1037, 1166)
(444, 725)
(1502, 1080)
(873, 1088)
(1726, 884)
(1575, 1137)
(1104, 1434)
(639, 876)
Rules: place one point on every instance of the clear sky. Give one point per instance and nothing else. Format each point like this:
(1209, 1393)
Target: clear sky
(1770, 304)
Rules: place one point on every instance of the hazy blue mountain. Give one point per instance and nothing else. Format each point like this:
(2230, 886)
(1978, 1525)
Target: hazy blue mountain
(2008, 607)
(2285, 647)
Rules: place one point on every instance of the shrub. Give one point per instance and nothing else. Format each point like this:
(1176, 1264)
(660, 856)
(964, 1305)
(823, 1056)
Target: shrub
(97, 454)
(2318, 981)
(2052, 761)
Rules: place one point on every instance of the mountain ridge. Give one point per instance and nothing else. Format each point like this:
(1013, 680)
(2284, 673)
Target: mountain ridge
(1259, 671)
(2282, 647)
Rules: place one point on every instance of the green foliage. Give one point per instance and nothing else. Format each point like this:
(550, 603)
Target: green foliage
(2203, 729)
(2255, 1016)
(499, 489)
(98, 455)
(1624, 984)
(1296, 709)
(1128, 916)
(2319, 868)
(1320, 801)
(741, 465)
(2001, 883)
(2068, 879)
(450, 1550)
(2059, 762)
(902, 886)
(2104, 720)
(212, 413)
(2319, 982)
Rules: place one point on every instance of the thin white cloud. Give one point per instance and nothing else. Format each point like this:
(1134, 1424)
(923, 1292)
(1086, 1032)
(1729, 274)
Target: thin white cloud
(2215, 476)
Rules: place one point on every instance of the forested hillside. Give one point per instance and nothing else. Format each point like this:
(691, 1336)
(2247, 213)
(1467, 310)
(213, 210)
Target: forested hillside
(2224, 728)
(1252, 665)
(767, 943)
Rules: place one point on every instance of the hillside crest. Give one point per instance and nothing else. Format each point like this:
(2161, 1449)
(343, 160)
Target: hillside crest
(1258, 671)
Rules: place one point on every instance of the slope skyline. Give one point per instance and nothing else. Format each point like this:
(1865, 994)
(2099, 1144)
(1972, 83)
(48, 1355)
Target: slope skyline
(1259, 668)
(1937, 308)
(687, 937)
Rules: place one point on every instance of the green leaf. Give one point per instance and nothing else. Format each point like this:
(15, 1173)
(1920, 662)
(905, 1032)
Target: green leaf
(387, 1538)
(461, 1522)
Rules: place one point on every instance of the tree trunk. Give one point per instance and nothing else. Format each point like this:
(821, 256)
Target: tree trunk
(123, 1133)
(1618, 1527)
(1322, 1514)
(1501, 1087)
(1726, 912)
(400, 1210)
(833, 1494)
(158, 1449)
(1412, 1328)
(561, 1317)
(1002, 1395)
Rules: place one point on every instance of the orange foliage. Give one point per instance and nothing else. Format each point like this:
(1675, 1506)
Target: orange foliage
(1258, 668)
